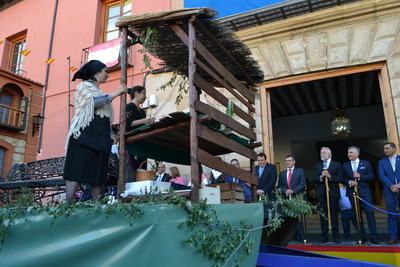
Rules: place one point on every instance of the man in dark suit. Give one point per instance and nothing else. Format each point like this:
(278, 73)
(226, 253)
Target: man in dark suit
(359, 173)
(266, 174)
(161, 175)
(245, 186)
(331, 170)
(292, 180)
(389, 174)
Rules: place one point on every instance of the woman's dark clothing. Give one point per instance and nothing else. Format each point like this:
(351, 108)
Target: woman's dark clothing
(134, 113)
(87, 156)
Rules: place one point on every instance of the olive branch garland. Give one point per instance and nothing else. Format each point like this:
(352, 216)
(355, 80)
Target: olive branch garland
(216, 240)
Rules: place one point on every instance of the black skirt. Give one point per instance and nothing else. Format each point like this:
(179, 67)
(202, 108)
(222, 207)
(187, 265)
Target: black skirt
(87, 157)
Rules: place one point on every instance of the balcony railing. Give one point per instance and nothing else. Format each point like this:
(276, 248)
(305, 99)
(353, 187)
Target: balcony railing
(13, 118)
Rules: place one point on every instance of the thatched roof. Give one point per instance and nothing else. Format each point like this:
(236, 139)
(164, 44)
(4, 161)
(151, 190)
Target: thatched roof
(169, 48)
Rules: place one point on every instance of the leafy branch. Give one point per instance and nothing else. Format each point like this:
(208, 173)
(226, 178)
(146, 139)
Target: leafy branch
(281, 207)
(216, 240)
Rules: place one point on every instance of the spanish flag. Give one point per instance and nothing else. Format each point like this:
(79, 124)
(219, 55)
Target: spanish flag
(25, 52)
(50, 60)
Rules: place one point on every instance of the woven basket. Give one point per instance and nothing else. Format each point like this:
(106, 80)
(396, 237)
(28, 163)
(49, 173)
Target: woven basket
(145, 175)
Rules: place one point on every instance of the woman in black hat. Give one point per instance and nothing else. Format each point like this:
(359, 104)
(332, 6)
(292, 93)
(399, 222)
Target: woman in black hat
(89, 138)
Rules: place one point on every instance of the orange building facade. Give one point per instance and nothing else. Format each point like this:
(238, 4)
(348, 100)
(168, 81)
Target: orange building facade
(20, 105)
(47, 40)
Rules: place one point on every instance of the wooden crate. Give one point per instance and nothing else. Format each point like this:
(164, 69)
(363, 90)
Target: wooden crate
(230, 193)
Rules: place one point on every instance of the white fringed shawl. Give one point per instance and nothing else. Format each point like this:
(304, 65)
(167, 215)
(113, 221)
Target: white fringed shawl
(84, 109)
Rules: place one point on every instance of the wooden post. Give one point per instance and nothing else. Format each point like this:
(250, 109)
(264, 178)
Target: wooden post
(268, 145)
(195, 167)
(122, 117)
(388, 106)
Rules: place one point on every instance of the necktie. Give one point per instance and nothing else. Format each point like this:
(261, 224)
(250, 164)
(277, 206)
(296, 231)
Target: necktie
(289, 178)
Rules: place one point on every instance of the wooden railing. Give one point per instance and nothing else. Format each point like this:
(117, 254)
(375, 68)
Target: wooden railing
(12, 117)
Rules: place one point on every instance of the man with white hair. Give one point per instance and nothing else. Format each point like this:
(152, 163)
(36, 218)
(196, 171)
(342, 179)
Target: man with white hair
(332, 171)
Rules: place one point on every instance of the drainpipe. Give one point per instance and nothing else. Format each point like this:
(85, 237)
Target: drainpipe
(46, 81)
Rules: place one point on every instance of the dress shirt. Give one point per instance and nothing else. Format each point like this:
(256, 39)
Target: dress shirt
(260, 170)
(354, 165)
(393, 162)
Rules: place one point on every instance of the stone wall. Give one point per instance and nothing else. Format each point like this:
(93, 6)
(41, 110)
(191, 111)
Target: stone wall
(19, 148)
(349, 35)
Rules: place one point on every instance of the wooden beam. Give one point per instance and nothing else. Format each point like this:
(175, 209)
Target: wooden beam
(224, 119)
(195, 166)
(214, 62)
(224, 141)
(122, 115)
(143, 136)
(210, 36)
(266, 116)
(388, 106)
(224, 84)
(214, 93)
(219, 165)
(321, 75)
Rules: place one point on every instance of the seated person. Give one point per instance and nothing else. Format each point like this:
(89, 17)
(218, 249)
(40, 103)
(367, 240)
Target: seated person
(245, 186)
(346, 212)
(161, 175)
(176, 176)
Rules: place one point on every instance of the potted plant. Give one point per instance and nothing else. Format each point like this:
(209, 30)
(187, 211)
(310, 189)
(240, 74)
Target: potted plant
(281, 216)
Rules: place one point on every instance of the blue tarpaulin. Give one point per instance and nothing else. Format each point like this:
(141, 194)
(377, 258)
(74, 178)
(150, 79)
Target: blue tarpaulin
(231, 7)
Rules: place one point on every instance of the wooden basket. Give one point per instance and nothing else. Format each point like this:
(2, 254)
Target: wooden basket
(145, 175)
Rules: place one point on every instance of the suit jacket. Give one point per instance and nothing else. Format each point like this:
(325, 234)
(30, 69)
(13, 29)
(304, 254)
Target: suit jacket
(386, 174)
(297, 183)
(165, 177)
(267, 180)
(366, 177)
(335, 170)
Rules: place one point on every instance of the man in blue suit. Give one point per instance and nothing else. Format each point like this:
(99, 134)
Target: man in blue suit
(266, 174)
(245, 186)
(331, 170)
(359, 173)
(389, 174)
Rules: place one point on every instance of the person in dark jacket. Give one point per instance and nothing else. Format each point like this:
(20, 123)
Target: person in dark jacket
(266, 174)
(332, 171)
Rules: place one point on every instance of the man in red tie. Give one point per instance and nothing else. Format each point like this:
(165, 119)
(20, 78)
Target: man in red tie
(292, 180)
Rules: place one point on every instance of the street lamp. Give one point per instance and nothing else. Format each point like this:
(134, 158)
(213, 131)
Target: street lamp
(37, 122)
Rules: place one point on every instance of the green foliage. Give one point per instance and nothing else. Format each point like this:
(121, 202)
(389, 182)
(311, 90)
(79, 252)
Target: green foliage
(181, 83)
(216, 240)
(281, 207)
(148, 39)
